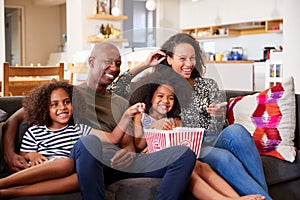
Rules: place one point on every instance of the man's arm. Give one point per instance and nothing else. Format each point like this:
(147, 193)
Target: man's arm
(14, 161)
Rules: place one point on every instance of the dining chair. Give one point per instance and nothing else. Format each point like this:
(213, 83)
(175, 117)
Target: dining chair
(78, 72)
(19, 80)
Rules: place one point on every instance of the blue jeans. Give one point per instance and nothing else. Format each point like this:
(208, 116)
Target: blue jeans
(174, 165)
(234, 156)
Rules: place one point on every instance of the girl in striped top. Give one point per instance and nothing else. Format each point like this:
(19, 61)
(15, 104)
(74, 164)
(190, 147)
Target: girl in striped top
(51, 111)
(53, 132)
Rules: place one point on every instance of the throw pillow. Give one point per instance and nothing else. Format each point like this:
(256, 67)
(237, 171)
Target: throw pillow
(270, 118)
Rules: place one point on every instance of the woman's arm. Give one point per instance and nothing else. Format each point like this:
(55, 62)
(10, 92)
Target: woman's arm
(122, 84)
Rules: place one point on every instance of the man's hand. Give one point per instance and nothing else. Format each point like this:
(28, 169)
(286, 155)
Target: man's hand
(122, 159)
(16, 162)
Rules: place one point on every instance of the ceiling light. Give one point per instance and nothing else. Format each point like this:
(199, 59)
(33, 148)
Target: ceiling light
(151, 5)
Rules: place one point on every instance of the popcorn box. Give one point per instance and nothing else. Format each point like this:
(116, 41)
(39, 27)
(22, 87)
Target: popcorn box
(160, 139)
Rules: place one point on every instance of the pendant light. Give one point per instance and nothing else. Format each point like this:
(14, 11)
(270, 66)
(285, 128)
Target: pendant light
(150, 5)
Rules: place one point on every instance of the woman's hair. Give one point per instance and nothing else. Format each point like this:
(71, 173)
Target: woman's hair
(36, 103)
(144, 89)
(169, 45)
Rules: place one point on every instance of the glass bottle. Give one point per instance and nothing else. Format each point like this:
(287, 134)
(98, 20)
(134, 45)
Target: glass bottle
(107, 31)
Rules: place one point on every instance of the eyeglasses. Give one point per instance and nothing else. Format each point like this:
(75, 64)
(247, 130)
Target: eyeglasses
(111, 61)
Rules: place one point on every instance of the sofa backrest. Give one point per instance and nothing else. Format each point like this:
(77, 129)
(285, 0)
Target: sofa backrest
(11, 104)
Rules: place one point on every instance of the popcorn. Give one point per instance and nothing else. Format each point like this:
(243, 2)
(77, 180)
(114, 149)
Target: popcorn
(160, 139)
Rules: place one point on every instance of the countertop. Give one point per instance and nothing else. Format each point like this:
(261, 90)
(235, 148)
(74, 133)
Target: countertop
(232, 61)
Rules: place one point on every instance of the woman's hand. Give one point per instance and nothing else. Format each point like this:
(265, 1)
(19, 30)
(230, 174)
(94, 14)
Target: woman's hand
(162, 124)
(155, 58)
(216, 109)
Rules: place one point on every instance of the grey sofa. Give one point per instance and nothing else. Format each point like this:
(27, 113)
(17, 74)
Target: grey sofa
(283, 178)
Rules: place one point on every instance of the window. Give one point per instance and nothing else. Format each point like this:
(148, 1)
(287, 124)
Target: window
(139, 28)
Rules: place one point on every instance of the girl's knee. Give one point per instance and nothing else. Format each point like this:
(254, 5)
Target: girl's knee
(202, 168)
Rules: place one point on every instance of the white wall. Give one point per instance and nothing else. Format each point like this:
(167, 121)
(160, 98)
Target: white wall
(205, 12)
(291, 41)
(42, 32)
(2, 36)
(167, 19)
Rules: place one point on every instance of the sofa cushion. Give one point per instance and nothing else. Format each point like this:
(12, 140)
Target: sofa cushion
(278, 171)
(142, 188)
(270, 118)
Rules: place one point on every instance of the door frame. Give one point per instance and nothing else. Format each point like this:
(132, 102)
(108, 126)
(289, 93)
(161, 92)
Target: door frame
(21, 26)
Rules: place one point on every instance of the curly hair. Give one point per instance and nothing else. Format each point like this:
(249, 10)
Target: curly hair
(169, 45)
(36, 103)
(144, 89)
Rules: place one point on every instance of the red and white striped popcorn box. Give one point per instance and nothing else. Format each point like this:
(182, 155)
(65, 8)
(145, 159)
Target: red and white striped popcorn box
(160, 139)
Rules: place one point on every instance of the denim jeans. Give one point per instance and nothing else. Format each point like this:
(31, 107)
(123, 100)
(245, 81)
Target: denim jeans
(174, 165)
(234, 156)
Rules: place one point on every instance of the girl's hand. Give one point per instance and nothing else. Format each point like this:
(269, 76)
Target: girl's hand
(216, 110)
(136, 109)
(146, 150)
(162, 124)
(36, 158)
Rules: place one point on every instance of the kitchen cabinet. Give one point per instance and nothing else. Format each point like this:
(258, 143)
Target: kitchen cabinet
(236, 29)
(105, 18)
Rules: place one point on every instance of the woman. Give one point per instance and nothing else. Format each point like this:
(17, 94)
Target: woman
(162, 92)
(232, 152)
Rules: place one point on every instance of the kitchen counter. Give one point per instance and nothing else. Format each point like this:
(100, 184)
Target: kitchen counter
(231, 61)
(242, 75)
